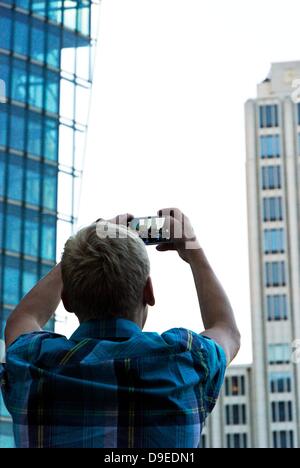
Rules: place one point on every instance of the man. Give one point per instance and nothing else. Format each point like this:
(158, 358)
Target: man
(111, 384)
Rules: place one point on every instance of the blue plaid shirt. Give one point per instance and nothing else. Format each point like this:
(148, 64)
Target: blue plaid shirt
(111, 385)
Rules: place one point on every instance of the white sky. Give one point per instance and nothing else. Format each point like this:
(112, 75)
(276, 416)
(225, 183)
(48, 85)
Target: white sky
(167, 129)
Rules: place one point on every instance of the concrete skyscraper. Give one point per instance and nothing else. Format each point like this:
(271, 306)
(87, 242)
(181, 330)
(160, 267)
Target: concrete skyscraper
(273, 152)
(46, 61)
(260, 404)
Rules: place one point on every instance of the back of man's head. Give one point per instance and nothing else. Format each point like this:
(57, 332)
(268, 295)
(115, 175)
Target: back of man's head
(104, 272)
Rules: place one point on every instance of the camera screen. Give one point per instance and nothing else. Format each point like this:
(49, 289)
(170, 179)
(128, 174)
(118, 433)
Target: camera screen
(152, 229)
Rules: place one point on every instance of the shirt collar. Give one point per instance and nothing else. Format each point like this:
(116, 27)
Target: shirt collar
(108, 328)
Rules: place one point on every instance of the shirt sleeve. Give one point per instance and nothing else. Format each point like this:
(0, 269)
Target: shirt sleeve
(25, 350)
(209, 363)
(214, 360)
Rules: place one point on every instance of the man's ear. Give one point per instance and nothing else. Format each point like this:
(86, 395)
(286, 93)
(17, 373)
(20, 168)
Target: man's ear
(65, 301)
(148, 297)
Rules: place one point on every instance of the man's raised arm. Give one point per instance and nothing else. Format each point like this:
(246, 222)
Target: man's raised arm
(36, 308)
(216, 311)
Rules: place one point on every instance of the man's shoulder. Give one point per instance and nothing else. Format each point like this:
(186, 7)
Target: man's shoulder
(29, 344)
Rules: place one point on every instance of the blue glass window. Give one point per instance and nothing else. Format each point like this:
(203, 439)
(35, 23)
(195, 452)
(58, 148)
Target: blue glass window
(280, 382)
(55, 11)
(36, 87)
(268, 116)
(272, 209)
(49, 237)
(12, 270)
(23, 4)
(34, 135)
(274, 241)
(53, 48)
(5, 29)
(33, 182)
(2, 174)
(37, 42)
(51, 140)
(50, 188)
(5, 71)
(29, 276)
(21, 35)
(13, 228)
(3, 125)
(19, 81)
(270, 146)
(279, 353)
(271, 177)
(31, 233)
(52, 92)
(15, 177)
(275, 274)
(39, 7)
(17, 129)
(277, 307)
(1, 234)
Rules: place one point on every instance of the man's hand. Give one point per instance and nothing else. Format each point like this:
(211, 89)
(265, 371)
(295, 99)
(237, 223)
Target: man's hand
(183, 238)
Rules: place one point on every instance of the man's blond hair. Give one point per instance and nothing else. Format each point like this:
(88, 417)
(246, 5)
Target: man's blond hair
(104, 275)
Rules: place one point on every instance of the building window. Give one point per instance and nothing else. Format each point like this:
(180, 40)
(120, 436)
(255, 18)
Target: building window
(283, 439)
(29, 276)
(235, 415)
(203, 443)
(3, 125)
(277, 307)
(271, 177)
(282, 411)
(48, 237)
(279, 353)
(238, 441)
(274, 241)
(17, 129)
(235, 385)
(5, 29)
(11, 276)
(13, 228)
(19, 81)
(20, 35)
(33, 183)
(268, 116)
(31, 233)
(270, 146)
(2, 173)
(272, 209)
(280, 382)
(15, 177)
(275, 274)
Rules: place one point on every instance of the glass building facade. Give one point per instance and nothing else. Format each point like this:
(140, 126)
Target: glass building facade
(46, 62)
